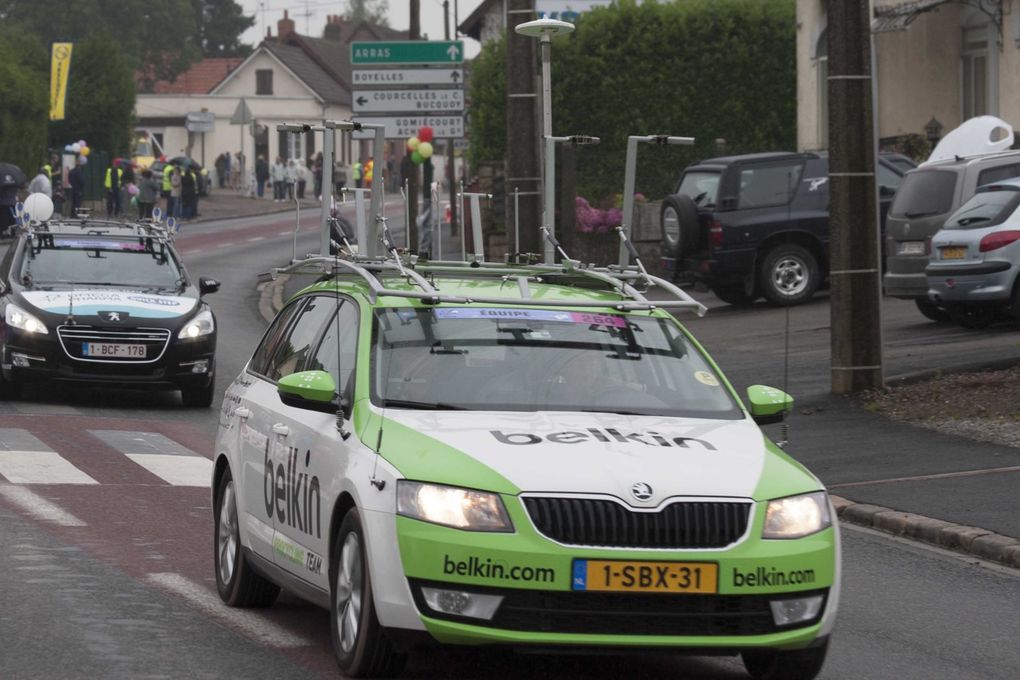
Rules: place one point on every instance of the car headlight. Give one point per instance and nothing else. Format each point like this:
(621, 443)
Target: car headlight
(452, 506)
(19, 318)
(202, 324)
(797, 516)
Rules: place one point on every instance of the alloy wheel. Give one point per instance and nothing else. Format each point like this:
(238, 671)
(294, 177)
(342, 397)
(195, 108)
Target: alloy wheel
(227, 534)
(790, 276)
(349, 589)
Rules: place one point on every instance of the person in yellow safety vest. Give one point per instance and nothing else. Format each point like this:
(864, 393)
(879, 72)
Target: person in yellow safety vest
(367, 173)
(167, 189)
(357, 174)
(113, 183)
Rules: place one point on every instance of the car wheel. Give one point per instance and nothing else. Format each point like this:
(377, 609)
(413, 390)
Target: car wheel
(789, 275)
(931, 310)
(360, 644)
(734, 295)
(679, 220)
(237, 584)
(198, 397)
(974, 317)
(800, 664)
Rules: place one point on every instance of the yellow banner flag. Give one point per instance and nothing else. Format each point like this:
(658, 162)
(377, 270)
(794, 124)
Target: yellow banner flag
(60, 67)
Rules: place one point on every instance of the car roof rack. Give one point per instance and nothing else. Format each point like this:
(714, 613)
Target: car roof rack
(374, 270)
(90, 226)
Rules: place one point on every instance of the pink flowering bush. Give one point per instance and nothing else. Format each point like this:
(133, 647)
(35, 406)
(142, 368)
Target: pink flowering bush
(591, 220)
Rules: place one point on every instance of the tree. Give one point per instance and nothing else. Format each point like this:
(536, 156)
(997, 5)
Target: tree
(220, 25)
(487, 95)
(24, 91)
(100, 97)
(373, 11)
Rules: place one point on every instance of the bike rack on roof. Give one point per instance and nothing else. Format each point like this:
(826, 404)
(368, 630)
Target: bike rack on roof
(374, 271)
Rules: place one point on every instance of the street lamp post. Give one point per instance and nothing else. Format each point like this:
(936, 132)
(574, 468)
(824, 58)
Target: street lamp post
(544, 30)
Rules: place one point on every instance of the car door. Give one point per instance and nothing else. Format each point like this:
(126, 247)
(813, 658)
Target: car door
(317, 453)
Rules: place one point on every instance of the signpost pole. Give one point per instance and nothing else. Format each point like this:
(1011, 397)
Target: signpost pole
(328, 144)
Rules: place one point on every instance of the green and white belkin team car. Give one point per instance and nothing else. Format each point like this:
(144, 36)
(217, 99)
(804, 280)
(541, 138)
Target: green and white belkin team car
(526, 456)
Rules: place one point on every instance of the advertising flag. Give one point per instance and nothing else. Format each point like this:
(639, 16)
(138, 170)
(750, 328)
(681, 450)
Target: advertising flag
(60, 67)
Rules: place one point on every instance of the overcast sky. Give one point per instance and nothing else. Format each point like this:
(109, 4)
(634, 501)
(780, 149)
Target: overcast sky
(268, 12)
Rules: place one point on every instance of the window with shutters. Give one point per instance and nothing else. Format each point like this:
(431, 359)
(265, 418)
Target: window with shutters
(264, 81)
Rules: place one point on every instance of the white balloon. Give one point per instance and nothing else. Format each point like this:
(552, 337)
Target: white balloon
(39, 206)
(76, 147)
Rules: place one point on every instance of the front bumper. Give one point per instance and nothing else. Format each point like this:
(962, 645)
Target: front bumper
(30, 358)
(533, 575)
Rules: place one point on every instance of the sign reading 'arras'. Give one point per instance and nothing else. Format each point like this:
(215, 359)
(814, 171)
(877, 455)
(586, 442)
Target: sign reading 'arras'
(408, 101)
(407, 52)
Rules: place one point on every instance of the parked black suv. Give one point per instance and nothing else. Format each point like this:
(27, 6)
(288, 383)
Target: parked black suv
(758, 224)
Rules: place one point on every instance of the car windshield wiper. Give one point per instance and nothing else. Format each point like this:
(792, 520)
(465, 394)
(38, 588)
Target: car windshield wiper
(613, 411)
(421, 405)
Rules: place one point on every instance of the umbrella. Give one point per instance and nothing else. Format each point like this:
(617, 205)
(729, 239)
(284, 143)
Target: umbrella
(11, 175)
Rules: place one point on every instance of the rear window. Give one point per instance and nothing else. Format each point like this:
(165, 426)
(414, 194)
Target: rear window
(766, 185)
(700, 186)
(985, 209)
(998, 174)
(923, 193)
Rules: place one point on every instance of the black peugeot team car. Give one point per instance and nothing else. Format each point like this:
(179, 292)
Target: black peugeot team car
(104, 303)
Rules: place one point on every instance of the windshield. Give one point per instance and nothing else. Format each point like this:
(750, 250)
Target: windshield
(985, 209)
(139, 263)
(700, 186)
(923, 193)
(541, 360)
(143, 149)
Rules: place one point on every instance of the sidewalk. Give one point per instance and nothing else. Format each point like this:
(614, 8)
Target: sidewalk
(224, 204)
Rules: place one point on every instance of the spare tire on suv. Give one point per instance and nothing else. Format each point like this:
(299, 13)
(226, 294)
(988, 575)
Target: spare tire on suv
(680, 225)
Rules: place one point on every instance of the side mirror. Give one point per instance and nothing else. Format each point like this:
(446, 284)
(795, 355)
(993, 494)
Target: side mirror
(768, 405)
(207, 286)
(311, 390)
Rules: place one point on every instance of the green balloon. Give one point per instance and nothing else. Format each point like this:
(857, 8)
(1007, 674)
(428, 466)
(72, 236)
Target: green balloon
(416, 158)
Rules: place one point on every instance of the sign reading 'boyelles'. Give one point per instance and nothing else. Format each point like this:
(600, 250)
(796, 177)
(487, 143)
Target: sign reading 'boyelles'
(409, 76)
(408, 101)
(402, 127)
(407, 52)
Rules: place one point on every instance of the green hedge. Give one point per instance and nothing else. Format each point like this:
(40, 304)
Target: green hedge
(700, 68)
(24, 101)
(487, 113)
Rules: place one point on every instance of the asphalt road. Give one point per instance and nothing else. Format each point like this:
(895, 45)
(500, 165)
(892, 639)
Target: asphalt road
(114, 579)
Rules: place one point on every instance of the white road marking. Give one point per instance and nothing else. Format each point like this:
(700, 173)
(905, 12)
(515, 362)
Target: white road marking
(176, 470)
(40, 467)
(226, 245)
(256, 238)
(38, 507)
(285, 233)
(246, 621)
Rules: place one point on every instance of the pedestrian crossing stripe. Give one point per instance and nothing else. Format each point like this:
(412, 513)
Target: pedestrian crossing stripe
(25, 459)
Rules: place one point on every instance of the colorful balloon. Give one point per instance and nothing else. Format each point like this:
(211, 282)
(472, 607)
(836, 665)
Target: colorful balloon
(416, 158)
(76, 147)
(425, 134)
(412, 144)
(68, 149)
(425, 149)
(85, 151)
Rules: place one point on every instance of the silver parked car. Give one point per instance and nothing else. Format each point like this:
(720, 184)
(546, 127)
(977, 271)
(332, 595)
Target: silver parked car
(975, 258)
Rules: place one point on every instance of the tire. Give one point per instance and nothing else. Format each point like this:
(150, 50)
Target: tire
(9, 389)
(974, 317)
(236, 582)
(800, 664)
(789, 275)
(680, 223)
(931, 310)
(734, 295)
(198, 397)
(360, 645)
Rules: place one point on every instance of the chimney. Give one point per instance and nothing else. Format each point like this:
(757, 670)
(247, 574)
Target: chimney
(285, 26)
(333, 30)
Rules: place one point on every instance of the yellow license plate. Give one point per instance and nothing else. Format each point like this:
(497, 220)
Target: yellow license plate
(954, 253)
(645, 577)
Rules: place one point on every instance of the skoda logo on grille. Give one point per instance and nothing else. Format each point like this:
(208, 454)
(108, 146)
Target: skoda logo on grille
(641, 491)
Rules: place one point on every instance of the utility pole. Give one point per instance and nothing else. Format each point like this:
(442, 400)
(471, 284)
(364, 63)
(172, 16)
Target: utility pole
(413, 33)
(522, 138)
(855, 268)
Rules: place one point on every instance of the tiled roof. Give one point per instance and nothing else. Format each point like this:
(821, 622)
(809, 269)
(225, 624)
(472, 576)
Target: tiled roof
(201, 78)
(321, 81)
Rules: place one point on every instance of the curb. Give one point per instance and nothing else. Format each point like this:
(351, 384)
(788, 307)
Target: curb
(271, 297)
(930, 373)
(973, 541)
(273, 211)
